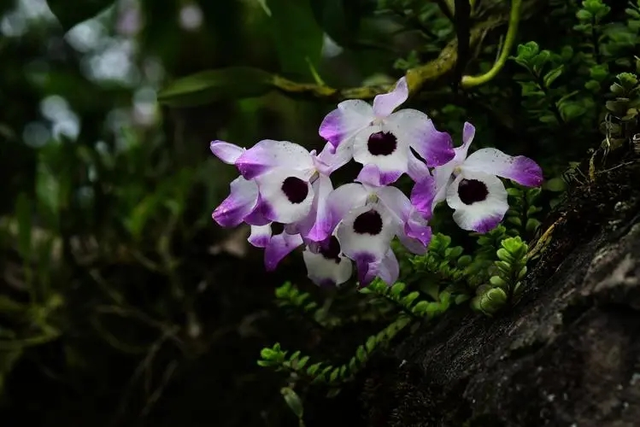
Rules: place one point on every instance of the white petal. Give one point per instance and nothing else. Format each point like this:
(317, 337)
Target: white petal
(268, 154)
(520, 169)
(392, 162)
(332, 158)
(343, 199)
(444, 177)
(225, 151)
(416, 129)
(468, 133)
(365, 233)
(397, 203)
(384, 104)
(480, 216)
(417, 169)
(344, 122)
(285, 208)
(389, 269)
(327, 271)
(260, 235)
(241, 201)
(279, 247)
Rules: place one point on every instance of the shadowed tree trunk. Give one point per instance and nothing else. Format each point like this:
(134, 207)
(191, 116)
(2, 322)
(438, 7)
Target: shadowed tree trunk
(567, 355)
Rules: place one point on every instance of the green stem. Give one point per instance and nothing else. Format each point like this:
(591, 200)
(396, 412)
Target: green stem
(514, 20)
(49, 333)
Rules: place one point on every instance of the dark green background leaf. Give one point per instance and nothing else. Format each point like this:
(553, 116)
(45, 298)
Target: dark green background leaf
(70, 13)
(297, 36)
(340, 19)
(213, 85)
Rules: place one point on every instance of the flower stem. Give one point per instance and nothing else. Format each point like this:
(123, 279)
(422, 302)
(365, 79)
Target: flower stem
(514, 20)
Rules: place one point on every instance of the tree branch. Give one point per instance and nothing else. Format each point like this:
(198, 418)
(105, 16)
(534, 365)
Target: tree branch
(418, 78)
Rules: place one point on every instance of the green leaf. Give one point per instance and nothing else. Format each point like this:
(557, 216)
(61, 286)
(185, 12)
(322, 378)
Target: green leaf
(555, 185)
(571, 110)
(371, 344)
(297, 36)
(302, 362)
(214, 85)
(333, 392)
(532, 225)
(398, 288)
(420, 307)
(294, 356)
(409, 299)
(293, 401)
(361, 354)
(584, 15)
(334, 375)
(267, 353)
(70, 14)
(313, 369)
(552, 75)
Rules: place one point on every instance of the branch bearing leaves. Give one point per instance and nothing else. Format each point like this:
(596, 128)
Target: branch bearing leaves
(297, 36)
(214, 85)
(71, 13)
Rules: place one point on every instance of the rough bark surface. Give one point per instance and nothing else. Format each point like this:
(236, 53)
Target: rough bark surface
(567, 355)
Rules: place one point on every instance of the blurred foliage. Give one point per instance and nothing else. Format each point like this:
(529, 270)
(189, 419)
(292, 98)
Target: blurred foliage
(121, 303)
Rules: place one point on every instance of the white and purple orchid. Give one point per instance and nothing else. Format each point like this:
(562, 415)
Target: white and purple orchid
(367, 218)
(326, 264)
(470, 184)
(381, 137)
(281, 183)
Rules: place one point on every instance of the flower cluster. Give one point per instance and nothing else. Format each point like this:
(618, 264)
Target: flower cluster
(282, 183)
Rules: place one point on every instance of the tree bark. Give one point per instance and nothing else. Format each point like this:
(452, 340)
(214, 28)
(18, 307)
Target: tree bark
(567, 355)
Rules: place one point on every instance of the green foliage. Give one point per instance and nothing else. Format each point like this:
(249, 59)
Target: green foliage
(549, 103)
(289, 296)
(297, 36)
(523, 210)
(215, 85)
(442, 265)
(621, 121)
(331, 375)
(293, 402)
(505, 287)
(409, 303)
(299, 367)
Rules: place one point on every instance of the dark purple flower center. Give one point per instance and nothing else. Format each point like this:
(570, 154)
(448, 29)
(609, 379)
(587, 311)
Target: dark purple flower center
(472, 191)
(295, 189)
(332, 250)
(382, 143)
(369, 222)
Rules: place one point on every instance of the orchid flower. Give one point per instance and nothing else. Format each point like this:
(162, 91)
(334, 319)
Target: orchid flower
(274, 186)
(368, 217)
(384, 139)
(326, 264)
(471, 186)
(281, 182)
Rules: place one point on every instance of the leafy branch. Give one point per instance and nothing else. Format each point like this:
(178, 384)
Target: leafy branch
(241, 82)
(505, 287)
(299, 367)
